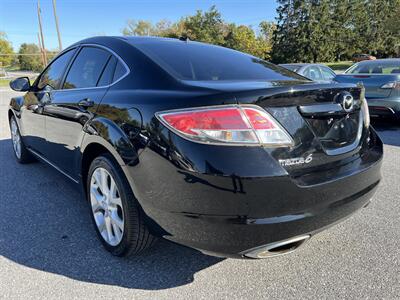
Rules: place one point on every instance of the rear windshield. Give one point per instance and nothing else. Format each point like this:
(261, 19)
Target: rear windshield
(197, 61)
(376, 67)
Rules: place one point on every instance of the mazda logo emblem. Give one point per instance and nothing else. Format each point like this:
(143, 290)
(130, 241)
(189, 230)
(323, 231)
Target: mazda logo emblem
(347, 102)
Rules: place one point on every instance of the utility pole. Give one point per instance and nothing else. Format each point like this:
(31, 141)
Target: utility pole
(41, 33)
(57, 27)
(41, 50)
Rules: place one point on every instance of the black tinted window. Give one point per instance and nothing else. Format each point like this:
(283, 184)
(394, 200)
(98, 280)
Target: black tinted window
(196, 61)
(108, 73)
(87, 67)
(120, 71)
(51, 78)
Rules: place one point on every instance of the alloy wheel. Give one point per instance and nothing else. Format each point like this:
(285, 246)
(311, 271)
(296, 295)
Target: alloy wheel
(16, 138)
(107, 206)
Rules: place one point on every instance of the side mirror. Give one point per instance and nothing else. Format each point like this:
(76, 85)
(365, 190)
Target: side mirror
(21, 84)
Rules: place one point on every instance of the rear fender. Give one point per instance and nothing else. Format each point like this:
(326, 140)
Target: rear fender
(120, 141)
(123, 141)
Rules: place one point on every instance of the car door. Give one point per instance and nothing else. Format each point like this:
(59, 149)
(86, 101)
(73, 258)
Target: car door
(33, 126)
(85, 84)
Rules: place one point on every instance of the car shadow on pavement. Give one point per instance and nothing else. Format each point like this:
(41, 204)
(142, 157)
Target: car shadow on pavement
(389, 131)
(45, 225)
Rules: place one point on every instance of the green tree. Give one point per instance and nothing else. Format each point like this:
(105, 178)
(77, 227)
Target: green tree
(392, 23)
(29, 57)
(285, 36)
(392, 26)
(244, 39)
(208, 27)
(138, 28)
(324, 30)
(318, 26)
(343, 38)
(304, 31)
(381, 37)
(205, 27)
(267, 30)
(6, 51)
(163, 28)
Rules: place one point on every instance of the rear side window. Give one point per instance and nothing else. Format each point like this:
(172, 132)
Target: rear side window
(87, 68)
(120, 71)
(197, 61)
(51, 78)
(108, 73)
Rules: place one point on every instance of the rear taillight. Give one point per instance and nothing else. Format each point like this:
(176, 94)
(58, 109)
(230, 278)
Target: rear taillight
(227, 124)
(391, 85)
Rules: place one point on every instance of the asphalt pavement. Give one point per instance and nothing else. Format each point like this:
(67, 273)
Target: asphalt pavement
(48, 247)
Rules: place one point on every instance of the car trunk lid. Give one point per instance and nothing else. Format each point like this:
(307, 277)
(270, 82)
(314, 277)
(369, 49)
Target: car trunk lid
(325, 134)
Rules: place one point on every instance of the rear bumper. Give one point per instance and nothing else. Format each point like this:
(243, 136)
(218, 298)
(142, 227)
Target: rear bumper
(384, 107)
(230, 215)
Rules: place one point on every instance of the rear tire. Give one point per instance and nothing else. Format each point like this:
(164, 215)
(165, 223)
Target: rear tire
(21, 153)
(116, 214)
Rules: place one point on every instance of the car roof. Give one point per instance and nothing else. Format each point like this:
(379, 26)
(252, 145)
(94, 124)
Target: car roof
(377, 61)
(132, 40)
(150, 39)
(302, 64)
(137, 41)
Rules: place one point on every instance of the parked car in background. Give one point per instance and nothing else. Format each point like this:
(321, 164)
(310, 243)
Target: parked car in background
(217, 150)
(315, 72)
(362, 57)
(381, 79)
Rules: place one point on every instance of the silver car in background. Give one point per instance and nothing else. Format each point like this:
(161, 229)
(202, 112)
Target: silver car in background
(315, 72)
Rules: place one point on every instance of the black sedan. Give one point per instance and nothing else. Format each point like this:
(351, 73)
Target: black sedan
(202, 145)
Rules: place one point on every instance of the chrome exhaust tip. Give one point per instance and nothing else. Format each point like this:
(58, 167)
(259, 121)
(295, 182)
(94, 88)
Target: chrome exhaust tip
(277, 248)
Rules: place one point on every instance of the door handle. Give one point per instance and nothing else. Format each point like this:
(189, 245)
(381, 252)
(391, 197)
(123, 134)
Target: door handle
(86, 103)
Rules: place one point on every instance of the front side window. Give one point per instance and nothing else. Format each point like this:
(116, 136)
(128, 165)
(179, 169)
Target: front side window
(87, 68)
(52, 76)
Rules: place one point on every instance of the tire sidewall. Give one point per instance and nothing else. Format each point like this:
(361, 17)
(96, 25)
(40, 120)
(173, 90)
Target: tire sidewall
(106, 163)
